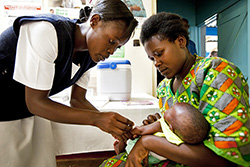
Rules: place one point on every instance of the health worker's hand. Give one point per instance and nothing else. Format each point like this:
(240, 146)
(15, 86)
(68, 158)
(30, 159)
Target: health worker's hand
(113, 123)
(137, 131)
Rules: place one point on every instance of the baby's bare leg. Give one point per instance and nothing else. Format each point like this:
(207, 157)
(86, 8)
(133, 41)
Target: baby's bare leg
(119, 146)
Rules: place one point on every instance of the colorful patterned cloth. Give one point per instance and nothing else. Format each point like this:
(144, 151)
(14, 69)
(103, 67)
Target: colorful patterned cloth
(115, 161)
(219, 90)
(120, 160)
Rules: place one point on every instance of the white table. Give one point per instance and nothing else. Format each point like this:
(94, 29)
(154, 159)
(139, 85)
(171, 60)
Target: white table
(73, 139)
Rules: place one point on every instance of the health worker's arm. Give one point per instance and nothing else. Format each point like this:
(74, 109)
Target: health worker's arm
(39, 104)
(78, 98)
(79, 91)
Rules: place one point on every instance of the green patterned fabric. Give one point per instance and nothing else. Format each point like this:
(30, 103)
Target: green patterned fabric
(115, 161)
(219, 90)
(120, 160)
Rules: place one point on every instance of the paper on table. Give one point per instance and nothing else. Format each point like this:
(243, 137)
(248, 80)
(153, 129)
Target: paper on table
(131, 103)
(98, 101)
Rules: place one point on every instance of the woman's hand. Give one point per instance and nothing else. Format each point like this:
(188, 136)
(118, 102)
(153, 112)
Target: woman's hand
(113, 123)
(151, 118)
(138, 154)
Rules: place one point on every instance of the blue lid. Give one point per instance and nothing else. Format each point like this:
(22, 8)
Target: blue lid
(111, 64)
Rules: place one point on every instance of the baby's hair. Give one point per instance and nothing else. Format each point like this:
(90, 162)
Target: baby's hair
(164, 26)
(191, 127)
(111, 10)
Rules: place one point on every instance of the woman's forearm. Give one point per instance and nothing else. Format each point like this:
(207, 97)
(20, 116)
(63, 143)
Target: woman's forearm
(82, 104)
(192, 155)
(78, 99)
(46, 108)
(39, 104)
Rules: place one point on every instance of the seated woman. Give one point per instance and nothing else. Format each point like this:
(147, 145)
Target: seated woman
(215, 86)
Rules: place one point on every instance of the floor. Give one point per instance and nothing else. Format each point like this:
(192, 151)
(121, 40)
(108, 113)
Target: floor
(84, 159)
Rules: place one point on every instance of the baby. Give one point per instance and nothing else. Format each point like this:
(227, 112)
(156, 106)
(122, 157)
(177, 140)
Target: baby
(183, 123)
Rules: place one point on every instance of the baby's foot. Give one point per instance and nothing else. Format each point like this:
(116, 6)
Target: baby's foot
(119, 146)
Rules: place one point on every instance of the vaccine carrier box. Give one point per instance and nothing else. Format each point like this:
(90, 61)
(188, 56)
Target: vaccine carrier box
(114, 79)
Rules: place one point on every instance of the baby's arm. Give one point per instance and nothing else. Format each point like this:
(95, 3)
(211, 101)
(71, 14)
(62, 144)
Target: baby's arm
(147, 129)
(152, 128)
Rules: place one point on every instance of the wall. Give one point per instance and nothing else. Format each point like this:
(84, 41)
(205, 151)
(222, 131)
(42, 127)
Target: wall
(232, 38)
(185, 9)
(182, 7)
(206, 9)
(143, 70)
(196, 11)
(248, 38)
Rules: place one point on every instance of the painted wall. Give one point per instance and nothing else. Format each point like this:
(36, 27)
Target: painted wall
(206, 9)
(196, 11)
(182, 7)
(185, 8)
(232, 38)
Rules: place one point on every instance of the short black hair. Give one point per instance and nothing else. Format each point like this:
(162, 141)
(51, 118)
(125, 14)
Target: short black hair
(165, 26)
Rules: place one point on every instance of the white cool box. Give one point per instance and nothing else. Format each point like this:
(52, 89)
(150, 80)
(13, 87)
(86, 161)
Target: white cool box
(114, 79)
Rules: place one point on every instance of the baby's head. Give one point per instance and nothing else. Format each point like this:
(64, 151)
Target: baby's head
(187, 122)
